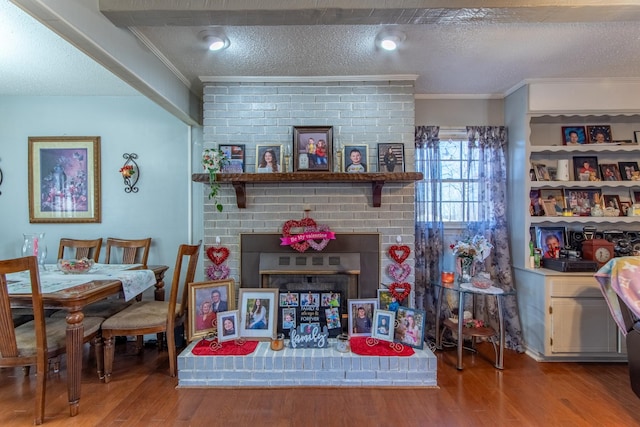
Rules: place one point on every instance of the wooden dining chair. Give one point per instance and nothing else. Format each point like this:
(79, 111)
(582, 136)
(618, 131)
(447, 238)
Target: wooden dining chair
(34, 342)
(133, 251)
(83, 248)
(152, 317)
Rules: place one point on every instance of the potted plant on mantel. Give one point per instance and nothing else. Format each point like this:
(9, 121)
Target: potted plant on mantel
(213, 160)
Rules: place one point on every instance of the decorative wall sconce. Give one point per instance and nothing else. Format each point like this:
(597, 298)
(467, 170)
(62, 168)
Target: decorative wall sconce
(130, 173)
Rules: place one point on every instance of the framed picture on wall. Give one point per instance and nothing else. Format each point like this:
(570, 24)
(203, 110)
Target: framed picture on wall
(312, 148)
(236, 156)
(268, 158)
(391, 157)
(64, 179)
(355, 158)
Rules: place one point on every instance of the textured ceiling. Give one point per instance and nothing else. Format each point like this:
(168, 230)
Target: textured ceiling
(455, 48)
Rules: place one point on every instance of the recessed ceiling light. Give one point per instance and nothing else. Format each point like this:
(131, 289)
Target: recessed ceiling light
(215, 39)
(390, 39)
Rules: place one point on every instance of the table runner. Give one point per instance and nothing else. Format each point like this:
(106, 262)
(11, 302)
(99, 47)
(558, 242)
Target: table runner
(368, 346)
(53, 280)
(619, 277)
(227, 348)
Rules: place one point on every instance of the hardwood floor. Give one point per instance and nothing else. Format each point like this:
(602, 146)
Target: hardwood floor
(525, 393)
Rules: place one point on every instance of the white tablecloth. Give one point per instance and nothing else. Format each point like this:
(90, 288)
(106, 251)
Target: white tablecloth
(53, 280)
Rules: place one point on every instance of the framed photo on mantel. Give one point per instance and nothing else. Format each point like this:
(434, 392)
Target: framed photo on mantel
(312, 148)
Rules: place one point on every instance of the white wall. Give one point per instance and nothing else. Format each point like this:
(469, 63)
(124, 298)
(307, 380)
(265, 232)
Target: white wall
(459, 112)
(125, 125)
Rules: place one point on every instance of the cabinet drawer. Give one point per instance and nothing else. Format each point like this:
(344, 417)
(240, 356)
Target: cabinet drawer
(572, 286)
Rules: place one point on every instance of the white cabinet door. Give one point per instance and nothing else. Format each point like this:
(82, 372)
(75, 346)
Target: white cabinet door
(582, 325)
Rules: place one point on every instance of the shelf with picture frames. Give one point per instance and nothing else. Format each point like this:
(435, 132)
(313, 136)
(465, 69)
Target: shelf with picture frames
(376, 179)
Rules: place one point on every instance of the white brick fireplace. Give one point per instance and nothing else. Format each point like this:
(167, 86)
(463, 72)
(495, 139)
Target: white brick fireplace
(365, 112)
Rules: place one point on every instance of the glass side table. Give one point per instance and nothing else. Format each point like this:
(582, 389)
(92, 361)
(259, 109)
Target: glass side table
(464, 289)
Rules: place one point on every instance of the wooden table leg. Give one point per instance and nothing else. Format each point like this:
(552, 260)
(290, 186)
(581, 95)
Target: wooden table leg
(75, 333)
(460, 321)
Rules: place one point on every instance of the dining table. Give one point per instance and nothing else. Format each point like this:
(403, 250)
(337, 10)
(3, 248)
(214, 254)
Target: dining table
(73, 292)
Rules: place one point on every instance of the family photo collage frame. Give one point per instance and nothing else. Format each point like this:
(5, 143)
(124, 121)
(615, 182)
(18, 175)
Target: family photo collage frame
(313, 150)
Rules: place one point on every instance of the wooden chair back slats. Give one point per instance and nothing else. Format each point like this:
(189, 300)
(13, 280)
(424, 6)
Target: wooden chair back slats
(190, 251)
(9, 344)
(83, 248)
(134, 251)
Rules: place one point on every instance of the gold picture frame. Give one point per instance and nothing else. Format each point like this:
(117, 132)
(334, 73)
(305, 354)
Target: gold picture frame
(64, 179)
(202, 314)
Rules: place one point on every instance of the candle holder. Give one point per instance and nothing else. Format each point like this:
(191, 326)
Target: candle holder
(130, 172)
(338, 161)
(286, 162)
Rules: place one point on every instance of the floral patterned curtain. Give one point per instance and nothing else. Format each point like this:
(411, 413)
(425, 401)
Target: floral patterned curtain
(491, 145)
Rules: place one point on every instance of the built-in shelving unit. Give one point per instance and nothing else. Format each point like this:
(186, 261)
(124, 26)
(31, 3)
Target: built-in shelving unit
(377, 180)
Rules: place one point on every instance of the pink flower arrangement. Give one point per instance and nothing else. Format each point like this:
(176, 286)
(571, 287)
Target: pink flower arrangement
(473, 323)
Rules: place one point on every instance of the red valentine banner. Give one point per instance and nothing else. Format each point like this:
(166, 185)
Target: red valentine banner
(311, 235)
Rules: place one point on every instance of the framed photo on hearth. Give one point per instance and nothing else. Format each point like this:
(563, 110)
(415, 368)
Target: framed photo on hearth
(64, 179)
(390, 158)
(258, 312)
(236, 156)
(410, 327)
(384, 324)
(228, 325)
(385, 299)
(207, 299)
(312, 148)
(361, 316)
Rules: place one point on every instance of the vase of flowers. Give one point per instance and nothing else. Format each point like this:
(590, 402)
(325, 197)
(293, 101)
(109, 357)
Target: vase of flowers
(213, 160)
(469, 251)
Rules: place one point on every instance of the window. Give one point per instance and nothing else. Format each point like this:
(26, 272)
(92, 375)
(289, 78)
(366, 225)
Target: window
(457, 175)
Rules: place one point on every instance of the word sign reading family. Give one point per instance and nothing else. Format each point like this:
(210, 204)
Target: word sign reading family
(309, 337)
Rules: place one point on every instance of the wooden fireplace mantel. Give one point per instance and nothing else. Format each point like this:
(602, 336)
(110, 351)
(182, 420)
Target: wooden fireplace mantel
(377, 180)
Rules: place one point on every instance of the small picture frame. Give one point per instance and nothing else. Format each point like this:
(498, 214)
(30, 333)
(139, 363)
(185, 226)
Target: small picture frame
(355, 157)
(629, 171)
(636, 136)
(228, 322)
(236, 156)
(386, 300)
(625, 205)
(410, 327)
(599, 134)
(312, 148)
(384, 325)
(574, 135)
(582, 200)
(269, 158)
(289, 299)
(536, 206)
(636, 197)
(551, 240)
(585, 168)
(258, 313)
(289, 320)
(555, 199)
(361, 316)
(610, 172)
(203, 296)
(612, 201)
(390, 158)
(542, 174)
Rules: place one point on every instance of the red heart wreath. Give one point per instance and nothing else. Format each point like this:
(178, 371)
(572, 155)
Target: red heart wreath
(304, 222)
(399, 253)
(218, 254)
(400, 290)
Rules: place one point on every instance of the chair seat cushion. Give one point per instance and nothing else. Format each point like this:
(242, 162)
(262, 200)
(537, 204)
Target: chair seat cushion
(144, 314)
(105, 308)
(56, 334)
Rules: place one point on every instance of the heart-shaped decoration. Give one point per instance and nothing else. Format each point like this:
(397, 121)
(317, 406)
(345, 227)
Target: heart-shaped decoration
(399, 272)
(399, 253)
(217, 254)
(218, 272)
(318, 246)
(400, 290)
(302, 224)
